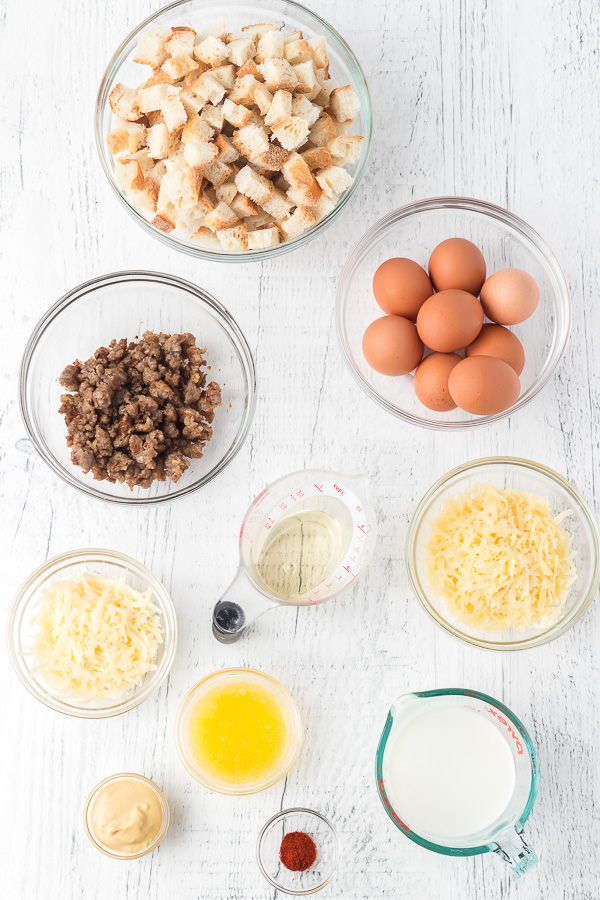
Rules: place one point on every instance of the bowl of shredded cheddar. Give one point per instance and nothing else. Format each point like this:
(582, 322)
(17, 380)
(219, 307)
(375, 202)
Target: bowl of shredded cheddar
(504, 553)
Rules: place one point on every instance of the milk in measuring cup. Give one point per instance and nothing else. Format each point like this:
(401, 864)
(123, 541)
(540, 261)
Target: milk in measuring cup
(449, 772)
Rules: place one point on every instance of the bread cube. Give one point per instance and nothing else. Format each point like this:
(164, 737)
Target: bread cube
(236, 115)
(323, 131)
(196, 129)
(123, 102)
(226, 192)
(240, 51)
(249, 68)
(272, 159)
(277, 205)
(344, 103)
(128, 137)
(307, 196)
(333, 180)
(263, 99)
(345, 149)
(212, 50)
(253, 185)
(181, 42)
(260, 30)
(225, 75)
(306, 110)
(217, 172)
(209, 88)
(192, 102)
(265, 237)
(291, 132)
(164, 222)
(199, 154)
(270, 46)
(206, 238)
(297, 52)
(213, 115)
(301, 220)
(297, 172)
(250, 141)
(159, 141)
(318, 51)
(323, 207)
(144, 200)
(305, 73)
(150, 49)
(221, 217)
(242, 91)
(227, 152)
(243, 206)
(129, 175)
(317, 157)
(235, 238)
(281, 108)
(178, 67)
(278, 75)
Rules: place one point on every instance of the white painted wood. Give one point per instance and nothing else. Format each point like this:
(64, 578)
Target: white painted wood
(490, 99)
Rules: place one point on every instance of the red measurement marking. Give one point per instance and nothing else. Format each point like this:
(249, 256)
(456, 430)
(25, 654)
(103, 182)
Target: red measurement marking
(352, 559)
(319, 488)
(338, 489)
(283, 506)
(359, 509)
(328, 586)
(347, 568)
(339, 577)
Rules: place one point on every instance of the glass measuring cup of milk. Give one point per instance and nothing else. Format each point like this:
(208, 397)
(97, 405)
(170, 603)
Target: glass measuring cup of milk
(305, 539)
(457, 773)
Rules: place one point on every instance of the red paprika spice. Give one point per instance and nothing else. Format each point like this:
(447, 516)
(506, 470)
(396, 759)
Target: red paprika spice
(298, 851)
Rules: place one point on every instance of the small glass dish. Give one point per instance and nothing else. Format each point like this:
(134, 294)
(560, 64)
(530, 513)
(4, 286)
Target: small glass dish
(522, 475)
(323, 833)
(344, 68)
(290, 711)
(87, 820)
(124, 305)
(414, 231)
(109, 564)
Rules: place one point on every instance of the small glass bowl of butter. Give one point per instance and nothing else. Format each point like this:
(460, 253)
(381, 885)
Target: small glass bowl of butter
(126, 816)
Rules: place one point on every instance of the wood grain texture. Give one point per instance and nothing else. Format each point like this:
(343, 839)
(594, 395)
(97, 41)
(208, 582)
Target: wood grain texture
(495, 100)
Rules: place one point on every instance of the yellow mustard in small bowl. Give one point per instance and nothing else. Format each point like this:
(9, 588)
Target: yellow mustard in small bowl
(126, 816)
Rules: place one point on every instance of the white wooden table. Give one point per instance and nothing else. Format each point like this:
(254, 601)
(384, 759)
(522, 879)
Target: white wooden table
(496, 100)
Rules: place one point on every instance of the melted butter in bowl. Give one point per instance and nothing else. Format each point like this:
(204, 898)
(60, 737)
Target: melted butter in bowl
(126, 816)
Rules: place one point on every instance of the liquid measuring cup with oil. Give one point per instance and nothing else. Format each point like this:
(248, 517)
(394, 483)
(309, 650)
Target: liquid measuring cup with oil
(457, 773)
(305, 539)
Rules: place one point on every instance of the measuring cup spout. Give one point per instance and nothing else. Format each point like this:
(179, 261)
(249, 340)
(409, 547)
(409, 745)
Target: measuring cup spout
(514, 849)
(240, 605)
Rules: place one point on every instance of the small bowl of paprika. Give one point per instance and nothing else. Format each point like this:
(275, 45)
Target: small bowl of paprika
(298, 851)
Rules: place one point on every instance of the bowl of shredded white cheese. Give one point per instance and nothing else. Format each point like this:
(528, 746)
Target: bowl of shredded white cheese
(92, 633)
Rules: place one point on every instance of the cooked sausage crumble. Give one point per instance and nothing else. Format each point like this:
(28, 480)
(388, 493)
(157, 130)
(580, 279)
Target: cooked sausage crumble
(138, 411)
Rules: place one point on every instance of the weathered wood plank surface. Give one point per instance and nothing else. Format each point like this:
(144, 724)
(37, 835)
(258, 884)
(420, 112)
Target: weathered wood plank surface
(496, 100)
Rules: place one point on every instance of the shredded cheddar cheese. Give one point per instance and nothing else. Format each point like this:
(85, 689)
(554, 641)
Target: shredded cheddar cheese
(500, 559)
(95, 638)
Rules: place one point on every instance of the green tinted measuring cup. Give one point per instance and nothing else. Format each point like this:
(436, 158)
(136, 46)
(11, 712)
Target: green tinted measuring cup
(504, 835)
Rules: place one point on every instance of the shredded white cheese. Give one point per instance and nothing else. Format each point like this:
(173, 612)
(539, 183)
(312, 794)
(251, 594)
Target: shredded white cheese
(500, 559)
(94, 637)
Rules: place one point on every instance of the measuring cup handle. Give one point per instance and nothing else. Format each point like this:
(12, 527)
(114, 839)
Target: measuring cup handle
(240, 605)
(514, 849)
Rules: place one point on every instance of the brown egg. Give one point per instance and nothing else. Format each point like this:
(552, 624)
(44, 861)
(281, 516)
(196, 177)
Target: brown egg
(392, 346)
(431, 381)
(510, 296)
(401, 287)
(449, 320)
(459, 264)
(483, 385)
(498, 341)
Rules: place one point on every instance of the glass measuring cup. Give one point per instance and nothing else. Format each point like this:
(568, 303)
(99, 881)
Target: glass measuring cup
(328, 501)
(504, 835)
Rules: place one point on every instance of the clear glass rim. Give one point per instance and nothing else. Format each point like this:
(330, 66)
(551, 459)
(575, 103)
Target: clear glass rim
(225, 320)
(23, 597)
(532, 753)
(120, 56)
(307, 812)
(166, 816)
(559, 628)
(237, 790)
(479, 207)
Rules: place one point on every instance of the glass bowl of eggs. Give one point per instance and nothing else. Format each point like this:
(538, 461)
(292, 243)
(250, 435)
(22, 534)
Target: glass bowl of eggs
(452, 313)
